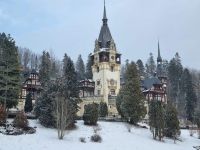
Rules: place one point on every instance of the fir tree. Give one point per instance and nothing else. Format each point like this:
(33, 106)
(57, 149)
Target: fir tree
(9, 71)
(171, 122)
(130, 98)
(71, 88)
(54, 69)
(156, 119)
(88, 73)
(150, 66)
(45, 106)
(119, 101)
(80, 68)
(190, 96)
(141, 68)
(175, 70)
(28, 103)
(44, 68)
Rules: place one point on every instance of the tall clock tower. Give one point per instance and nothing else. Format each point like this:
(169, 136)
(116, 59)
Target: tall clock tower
(106, 67)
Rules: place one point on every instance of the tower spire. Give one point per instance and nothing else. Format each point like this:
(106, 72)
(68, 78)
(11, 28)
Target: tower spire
(159, 58)
(105, 36)
(104, 14)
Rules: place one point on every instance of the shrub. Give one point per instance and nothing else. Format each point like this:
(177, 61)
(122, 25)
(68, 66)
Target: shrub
(2, 115)
(96, 138)
(20, 120)
(90, 115)
(82, 139)
(28, 103)
(103, 109)
(29, 130)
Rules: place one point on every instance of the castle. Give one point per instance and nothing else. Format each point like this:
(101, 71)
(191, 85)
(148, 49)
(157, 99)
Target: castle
(105, 85)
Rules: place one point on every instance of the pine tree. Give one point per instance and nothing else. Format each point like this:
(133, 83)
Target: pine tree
(44, 68)
(150, 66)
(45, 106)
(28, 103)
(175, 87)
(152, 117)
(141, 68)
(130, 100)
(156, 119)
(88, 73)
(71, 88)
(9, 71)
(160, 120)
(54, 70)
(80, 68)
(103, 109)
(190, 96)
(172, 129)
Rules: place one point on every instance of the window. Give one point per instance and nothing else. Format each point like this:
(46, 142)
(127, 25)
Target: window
(118, 60)
(97, 69)
(112, 92)
(99, 92)
(112, 68)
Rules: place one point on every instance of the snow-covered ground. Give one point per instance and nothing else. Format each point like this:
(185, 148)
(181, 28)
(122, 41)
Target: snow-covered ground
(115, 137)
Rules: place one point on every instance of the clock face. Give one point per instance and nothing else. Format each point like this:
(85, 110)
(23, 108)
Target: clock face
(112, 57)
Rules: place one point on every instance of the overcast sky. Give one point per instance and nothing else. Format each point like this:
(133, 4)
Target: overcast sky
(71, 26)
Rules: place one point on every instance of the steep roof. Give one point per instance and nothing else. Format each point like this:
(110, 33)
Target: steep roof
(105, 36)
(149, 82)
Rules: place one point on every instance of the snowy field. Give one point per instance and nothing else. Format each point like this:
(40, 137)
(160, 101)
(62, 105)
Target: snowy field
(115, 136)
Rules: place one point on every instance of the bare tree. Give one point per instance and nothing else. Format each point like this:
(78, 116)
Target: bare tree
(61, 116)
(61, 109)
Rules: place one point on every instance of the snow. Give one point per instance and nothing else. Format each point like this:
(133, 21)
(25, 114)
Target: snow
(115, 136)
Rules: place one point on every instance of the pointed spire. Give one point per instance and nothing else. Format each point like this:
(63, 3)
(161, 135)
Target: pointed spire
(104, 14)
(159, 58)
(105, 36)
